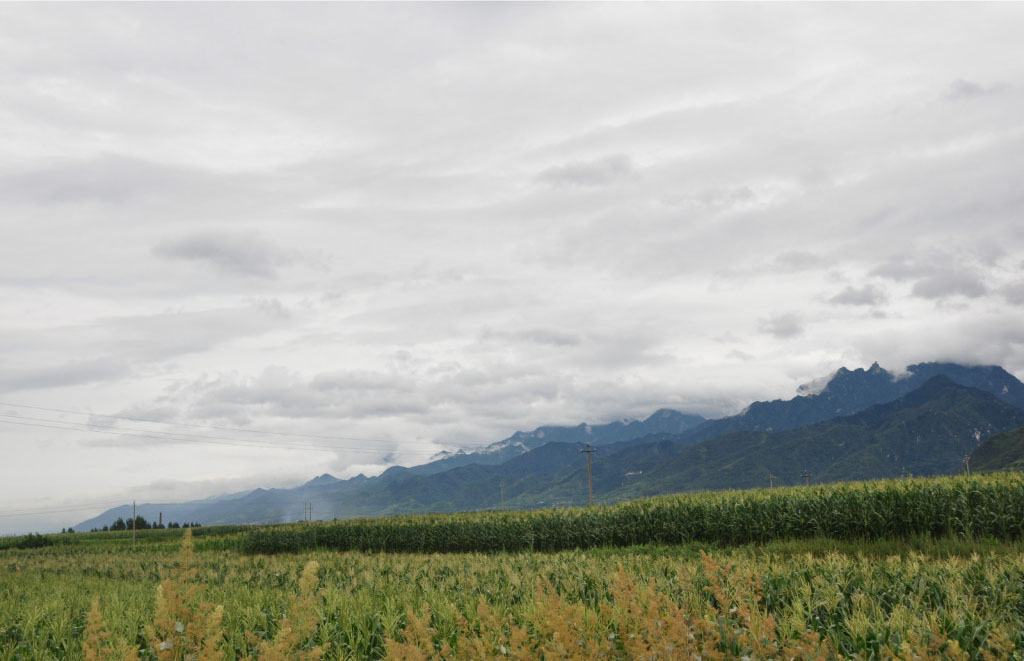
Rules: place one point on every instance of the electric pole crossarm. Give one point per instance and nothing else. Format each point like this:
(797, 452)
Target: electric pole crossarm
(590, 475)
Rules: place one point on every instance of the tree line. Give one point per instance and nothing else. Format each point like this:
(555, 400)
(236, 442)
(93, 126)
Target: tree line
(140, 523)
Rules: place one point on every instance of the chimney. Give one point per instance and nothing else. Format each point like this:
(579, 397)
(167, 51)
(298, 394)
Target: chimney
(161, 519)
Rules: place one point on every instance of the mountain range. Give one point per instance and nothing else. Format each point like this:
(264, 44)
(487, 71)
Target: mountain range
(854, 424)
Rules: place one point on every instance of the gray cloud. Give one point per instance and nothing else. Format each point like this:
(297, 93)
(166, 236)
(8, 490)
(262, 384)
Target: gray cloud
(447, 397)
(1014, 292)
(69, 374)
(106, 179)
(724, 197)
(128, 344)
(961, 89)
(239, 254)
(901, 268)
(795, 260)
(951, 283)
(362, 381)
(589, 174)
(939, 275)
(534, 335)
(167, 335)
(866, 295)
(783, 326)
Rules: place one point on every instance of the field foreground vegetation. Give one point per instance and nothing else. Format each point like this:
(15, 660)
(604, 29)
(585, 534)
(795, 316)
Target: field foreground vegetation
(913, 596)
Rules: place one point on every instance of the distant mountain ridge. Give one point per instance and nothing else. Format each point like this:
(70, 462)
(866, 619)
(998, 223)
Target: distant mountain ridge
(928, 431)
(662, 421)
(544, 466)
(850, 391)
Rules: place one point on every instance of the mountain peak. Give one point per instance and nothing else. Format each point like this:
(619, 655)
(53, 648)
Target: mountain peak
(844, 379)
(326, 478)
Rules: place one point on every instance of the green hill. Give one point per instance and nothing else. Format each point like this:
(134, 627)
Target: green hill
(1003, 451)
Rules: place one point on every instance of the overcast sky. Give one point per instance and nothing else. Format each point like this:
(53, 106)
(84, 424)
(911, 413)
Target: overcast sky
(428, 226)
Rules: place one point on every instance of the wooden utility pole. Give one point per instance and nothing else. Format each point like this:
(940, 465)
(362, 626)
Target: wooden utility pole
(771, 481)
(807, 478)
(501, 487)
(133, 524)
(967, 463)
(590, 474)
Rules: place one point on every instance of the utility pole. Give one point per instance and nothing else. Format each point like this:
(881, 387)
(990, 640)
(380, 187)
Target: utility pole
(501, 486)
(807, 478)
(133, 524)
(967, 463)
(771, 481)
(590, 474)
(307, 511)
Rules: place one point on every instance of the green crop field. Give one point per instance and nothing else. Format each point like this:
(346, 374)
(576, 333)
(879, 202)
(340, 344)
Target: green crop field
(976, 507)
(795, 573)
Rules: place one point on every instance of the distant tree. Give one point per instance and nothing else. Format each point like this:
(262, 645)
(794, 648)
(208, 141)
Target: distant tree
(119, 524)
(32, 541)
(139, 523)
(106, 528)
(63, 530)
(71, 530)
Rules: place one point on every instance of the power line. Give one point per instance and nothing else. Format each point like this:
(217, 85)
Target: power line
(174, 435)
(171, 435)
(58, 510)
(188, 424)
(108, 505)
(81, 427)
(181, 437)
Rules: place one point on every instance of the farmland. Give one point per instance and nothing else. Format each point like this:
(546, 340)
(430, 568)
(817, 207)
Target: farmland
(955, 589)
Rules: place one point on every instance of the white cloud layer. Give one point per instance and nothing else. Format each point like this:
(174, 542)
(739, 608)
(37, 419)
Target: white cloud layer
(427, 226)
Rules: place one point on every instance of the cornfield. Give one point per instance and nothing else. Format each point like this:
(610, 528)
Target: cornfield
(965, 507)
(653, 603)
(910, 569)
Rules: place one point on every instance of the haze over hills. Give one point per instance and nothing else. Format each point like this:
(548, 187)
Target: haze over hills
(857, 424)
(662, 421)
